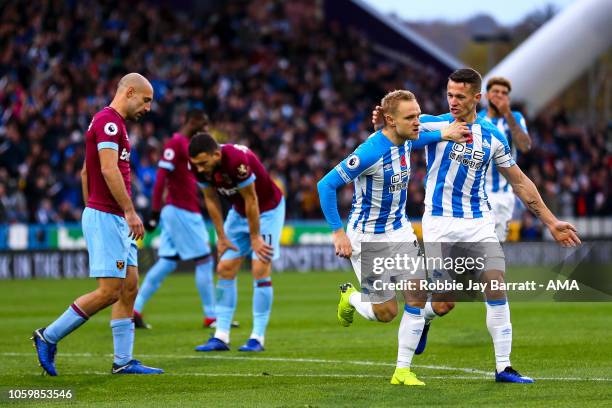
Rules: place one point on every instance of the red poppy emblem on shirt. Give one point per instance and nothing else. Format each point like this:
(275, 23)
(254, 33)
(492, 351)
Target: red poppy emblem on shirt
(403, 161)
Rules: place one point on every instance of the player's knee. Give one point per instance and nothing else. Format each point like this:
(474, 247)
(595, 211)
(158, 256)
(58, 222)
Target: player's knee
(225, 271)
(385, 313)
(261, 271)
(386, 316)
(442, 308)
(110, 294)
(129, 291)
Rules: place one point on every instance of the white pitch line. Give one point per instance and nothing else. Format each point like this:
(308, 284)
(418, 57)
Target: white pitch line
(281, 359)
(296, 375)
(484, 374)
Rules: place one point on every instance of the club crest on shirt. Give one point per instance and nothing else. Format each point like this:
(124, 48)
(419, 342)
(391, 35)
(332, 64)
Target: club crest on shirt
(242, 170)
(120, 265)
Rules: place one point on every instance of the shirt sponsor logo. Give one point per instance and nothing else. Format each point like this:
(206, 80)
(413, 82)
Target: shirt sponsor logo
(466, 156)
(399, 181)
(125, 155)
(228, 192)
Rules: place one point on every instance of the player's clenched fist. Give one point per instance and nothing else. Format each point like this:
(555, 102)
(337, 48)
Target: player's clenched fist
(342, 244)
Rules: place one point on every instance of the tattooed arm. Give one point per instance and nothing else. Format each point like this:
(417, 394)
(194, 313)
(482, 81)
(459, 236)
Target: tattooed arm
(563, 232)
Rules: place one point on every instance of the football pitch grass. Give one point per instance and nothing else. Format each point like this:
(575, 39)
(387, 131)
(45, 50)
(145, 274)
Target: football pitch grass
(309, 360)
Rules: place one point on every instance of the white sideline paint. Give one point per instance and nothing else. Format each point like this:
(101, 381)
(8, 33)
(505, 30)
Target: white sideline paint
(203, 356)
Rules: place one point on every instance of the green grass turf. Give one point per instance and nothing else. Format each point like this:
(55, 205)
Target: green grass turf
(552, 342)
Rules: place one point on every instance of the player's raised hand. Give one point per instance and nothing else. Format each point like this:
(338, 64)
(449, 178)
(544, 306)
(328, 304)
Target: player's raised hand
(343, 246)
(223, 244)
(457, 132)
(378, 119)
(564, 233)
(263, 251)
(135, 224)
(501, 103)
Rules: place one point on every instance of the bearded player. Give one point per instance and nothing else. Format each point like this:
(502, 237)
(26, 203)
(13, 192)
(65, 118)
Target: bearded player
(457, 211)
(512, 124)
(110, 226)
(252, 228)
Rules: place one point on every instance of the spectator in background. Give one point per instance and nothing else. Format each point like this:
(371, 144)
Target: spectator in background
(531, 229)
(272, 75)
(45, 214)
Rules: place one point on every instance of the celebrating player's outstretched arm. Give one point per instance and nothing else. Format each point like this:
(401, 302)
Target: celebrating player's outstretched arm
(563, 232)
(456, 131)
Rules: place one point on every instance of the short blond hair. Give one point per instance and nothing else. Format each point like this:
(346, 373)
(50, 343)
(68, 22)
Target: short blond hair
(391, 101)
(499, 81)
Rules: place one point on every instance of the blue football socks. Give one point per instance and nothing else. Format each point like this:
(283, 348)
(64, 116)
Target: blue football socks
(263, 295)
(206, 287)
(153, 281)
(69, 321)
(227, 295)
(123, 340)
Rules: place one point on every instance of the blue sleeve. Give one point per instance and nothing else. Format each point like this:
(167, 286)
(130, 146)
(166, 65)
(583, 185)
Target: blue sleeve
(327, 187)
(427, 137)
(521, 120)
(430, 123)
(502, 155)
(346, 171)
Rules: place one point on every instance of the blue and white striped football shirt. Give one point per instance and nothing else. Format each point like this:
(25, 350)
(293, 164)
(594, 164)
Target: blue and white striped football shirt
(495, 182)
(380, 171)
(455, 183)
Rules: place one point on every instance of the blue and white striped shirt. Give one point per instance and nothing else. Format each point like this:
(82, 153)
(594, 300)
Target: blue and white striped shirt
(495, 182)
(455, 183)
(381, 171)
